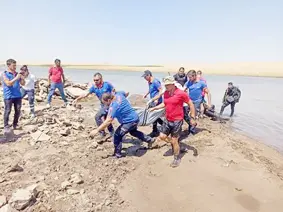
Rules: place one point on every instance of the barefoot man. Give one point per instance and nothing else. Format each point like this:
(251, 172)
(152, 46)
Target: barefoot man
(174, 99)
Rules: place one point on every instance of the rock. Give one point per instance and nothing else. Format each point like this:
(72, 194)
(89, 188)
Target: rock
(22, 198)
(72, 191)
(8, 208)
(65, 184)
(76, 178)
(108, 202)
(75, 92)
(39, 98)
(3, 201)
(93, 145)
(40, 136)
(2, 180)
(65, 132)
(14, 168)
(78, 126)
(67, 123)
(31, 128)
(82, 191)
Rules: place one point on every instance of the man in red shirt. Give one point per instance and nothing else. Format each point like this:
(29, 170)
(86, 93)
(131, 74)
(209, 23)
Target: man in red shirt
(57, 79)
(174, 99)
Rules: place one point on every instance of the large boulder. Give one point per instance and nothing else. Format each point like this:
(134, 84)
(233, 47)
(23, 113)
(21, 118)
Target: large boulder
(75, 92)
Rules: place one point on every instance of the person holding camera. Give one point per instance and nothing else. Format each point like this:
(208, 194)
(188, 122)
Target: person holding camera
(12, 82)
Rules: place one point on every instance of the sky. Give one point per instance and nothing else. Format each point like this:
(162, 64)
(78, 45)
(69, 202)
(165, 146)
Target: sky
(136, 32)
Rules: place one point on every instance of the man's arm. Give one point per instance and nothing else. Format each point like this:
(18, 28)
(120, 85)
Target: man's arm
(160, 106)
(105, 124)
(81, 97)
(11, 82)
(224, 97)
(63, 78)
(22, 81)
(146, 95)
(207, 92)
(192, 108)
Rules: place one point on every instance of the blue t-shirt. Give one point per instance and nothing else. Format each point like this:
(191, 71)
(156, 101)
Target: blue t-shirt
(121, 109)
(154, 87)
(105, 88)
(195, 89)
(14, 91)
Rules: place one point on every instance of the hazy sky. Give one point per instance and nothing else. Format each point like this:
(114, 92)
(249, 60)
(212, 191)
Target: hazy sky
(141, 31)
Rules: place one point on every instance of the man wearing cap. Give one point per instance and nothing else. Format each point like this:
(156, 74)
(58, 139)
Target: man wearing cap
(57, 79)
(121, 109)
(155, 89)
(28, 88)
(231, 97)
(12, 82)
(174, 99)
(99, 88)
(195, 89)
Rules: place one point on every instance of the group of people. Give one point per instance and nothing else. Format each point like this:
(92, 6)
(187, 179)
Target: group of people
(183, 98)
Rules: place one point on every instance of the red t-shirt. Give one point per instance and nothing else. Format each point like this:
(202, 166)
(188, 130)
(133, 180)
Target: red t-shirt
(55, 74)
(174, 104)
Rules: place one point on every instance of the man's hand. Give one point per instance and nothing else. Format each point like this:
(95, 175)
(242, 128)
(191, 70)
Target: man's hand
(93, 133)
(145, 96)
(149, 102)
(151, 109)
(193, 122)
(19, 76)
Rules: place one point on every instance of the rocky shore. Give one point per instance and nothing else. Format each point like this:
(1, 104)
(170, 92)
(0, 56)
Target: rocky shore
(53, 165)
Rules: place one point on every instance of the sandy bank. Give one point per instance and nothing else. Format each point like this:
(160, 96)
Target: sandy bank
(261, 69)
(230, 172)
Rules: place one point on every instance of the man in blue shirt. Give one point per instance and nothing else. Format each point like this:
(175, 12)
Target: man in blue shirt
(12, 82)
(121, 109)
(154, 91)
(99, 88)
(195, 90)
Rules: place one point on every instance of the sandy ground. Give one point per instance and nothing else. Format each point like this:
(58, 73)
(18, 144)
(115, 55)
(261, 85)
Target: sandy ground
(222, 170)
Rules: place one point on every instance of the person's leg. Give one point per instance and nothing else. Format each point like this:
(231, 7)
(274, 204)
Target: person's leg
(175, 133)
(31, 101)
(51, 92)
(225, 104)
(133, 130)
(17, 107)
(232, 108)
(98, 118)
(186, 114)
(8, 108)
(118, 136)
(60, 87)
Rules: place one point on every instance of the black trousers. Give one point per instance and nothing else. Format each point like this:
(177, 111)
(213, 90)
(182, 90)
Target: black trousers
(17, 102)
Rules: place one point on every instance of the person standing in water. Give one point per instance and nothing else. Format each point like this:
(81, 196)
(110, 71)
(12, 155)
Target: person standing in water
(154, 91)
(28, 88)
(231, 97)
(181, 77)
(174, 99)
(56, 79)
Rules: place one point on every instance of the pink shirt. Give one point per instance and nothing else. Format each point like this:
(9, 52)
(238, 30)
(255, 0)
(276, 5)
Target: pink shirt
(55, 74)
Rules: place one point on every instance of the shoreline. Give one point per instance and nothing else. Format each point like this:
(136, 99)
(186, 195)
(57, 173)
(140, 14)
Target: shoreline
(253, 69)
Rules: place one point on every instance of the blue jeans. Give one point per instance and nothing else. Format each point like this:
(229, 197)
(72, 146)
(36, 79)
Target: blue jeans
(53, 87)
(17, 103)
(122, 130)
(102, 113)
(30, 94)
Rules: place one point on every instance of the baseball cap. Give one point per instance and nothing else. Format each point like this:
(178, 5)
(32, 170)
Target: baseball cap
(169, 80)
(147, 73)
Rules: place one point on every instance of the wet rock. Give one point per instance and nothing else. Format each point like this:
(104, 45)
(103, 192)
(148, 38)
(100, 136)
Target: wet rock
(76, 178)
(3, 201)
(40, 136)
(65, 132)
(7, 208)
(72, 191)
(23, 198)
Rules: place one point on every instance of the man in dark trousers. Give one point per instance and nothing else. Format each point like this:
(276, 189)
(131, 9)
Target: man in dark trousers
(231, 97)
(12, 82)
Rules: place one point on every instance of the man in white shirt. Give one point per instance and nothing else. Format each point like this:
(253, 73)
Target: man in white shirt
(28, 88)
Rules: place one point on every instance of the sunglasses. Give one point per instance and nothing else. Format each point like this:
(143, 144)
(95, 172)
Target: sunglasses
(96, 80)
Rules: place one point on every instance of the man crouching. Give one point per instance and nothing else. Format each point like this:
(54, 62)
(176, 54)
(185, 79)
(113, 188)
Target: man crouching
(174, 99)
(121, 109)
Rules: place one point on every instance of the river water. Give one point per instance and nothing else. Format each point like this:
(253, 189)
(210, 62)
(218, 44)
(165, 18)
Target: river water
(259, 114)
